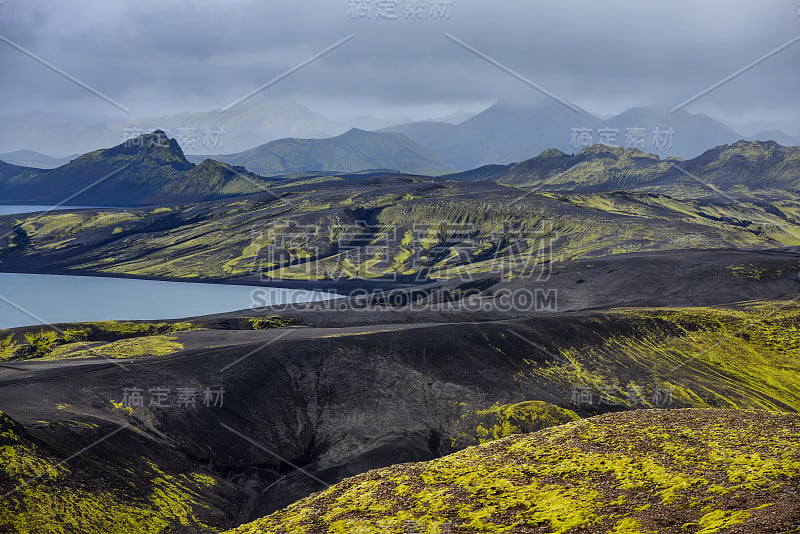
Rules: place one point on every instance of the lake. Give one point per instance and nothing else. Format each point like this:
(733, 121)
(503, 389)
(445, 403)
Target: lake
(28, 299)
(6, 209)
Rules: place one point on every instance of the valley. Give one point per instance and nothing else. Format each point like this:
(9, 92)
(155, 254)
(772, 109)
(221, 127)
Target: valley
(538, 317)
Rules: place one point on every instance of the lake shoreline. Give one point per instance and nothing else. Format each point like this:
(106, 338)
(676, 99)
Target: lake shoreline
(328, 286)
(37, 298)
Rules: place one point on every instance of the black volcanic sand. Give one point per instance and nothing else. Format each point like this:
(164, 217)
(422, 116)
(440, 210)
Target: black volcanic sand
(360, 386)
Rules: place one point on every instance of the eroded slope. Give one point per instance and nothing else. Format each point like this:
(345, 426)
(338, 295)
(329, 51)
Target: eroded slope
(643, 471)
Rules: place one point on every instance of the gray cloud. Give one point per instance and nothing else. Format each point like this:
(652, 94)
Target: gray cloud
(159, 57)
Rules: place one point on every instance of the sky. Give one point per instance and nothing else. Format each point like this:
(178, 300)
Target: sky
(158, 57)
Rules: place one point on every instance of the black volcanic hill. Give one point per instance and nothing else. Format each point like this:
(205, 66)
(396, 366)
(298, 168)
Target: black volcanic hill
(353, 151)
(631, 472)
(150, 169)
(340, 393)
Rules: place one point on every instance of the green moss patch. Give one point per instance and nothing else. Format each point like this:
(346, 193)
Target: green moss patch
(634, 472)
(263, 323)
(43, 495)
(118, 339)
(747, 357)
(501, 421)
(138, 347)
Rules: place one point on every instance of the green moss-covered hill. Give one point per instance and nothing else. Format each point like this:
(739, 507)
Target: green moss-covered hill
(150, 169)
(603, 201)
(649, 471)
(741, 166)
(352, 151)
(120, 484)
(384, 227)
(341, 401)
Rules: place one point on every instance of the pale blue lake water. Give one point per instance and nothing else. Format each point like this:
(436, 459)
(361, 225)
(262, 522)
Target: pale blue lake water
(10, 210)
(29, 299)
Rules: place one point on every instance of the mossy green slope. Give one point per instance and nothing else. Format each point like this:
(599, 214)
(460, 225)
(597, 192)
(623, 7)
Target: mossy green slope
(500, 421)
(747, 357)
(406, 227)
(115, 339)
(644, 471)
(107, 339)
(42, 495)
(596, 167)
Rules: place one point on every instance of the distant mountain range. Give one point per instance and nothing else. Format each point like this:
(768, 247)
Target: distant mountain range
(29, 158)
(505, 134)
(215, 239)
(782, 138)
(353, 151)
(153, 169)
(501, 134)
(240, 128)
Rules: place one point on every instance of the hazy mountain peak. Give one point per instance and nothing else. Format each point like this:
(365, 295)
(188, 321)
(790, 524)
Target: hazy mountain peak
(356, 132)
(455, 118)
(30, 158)
(781, 137)
(353, 151)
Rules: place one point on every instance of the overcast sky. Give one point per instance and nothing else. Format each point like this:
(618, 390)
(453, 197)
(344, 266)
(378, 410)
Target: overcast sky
(159, 57)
